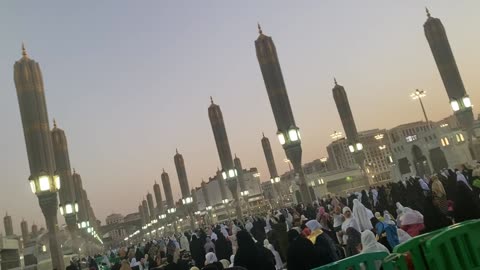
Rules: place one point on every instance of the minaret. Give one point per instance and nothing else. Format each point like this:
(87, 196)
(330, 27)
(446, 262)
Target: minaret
(194, 199)
(287, 131)
(206, 197)
(145, 210)
(267, 150)
(8, 225)
(38, 141)
(82, 215)
(34, 230)
(67, 192)
(151, 207)
(443, 55)
(272, 168)
(221, 184)
(182, 174)
(25, 234)
(142, 214)
(158, 197)
(187, 199)
(346, 116)
(167, 188)
(241, 179)
(229, 174)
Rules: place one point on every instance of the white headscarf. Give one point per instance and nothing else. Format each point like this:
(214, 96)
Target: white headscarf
(370, 244)
(232, 257)
(461, 178)
(213, 236)
(210, 257)
(403, 236)
(410, 217)
(387, 219)
(423, 184)
(278, 259)
(313, 225)
(375, 196)
(360, 213)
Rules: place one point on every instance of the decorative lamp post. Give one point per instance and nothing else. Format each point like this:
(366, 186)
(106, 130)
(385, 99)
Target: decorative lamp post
(44, 180)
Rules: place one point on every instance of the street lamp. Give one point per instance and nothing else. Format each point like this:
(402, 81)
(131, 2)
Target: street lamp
(187, 200)
(68, 209)
(355, 148)
(419, 94)
(45, 184)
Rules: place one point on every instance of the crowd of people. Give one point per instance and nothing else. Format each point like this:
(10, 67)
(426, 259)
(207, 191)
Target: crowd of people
(328, 230)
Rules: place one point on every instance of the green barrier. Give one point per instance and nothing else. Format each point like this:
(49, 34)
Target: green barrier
(395, 261)
(367, 261)
(457, 247)
(415, 247)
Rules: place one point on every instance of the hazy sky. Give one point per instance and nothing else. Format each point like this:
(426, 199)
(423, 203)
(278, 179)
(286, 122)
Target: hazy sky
(130, 81)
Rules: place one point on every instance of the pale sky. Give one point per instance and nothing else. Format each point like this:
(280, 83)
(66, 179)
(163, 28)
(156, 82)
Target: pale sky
(130, 81)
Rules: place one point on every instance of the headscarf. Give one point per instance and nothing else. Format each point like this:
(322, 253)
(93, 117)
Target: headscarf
(232, 258)
(387, 219)
(210, 258)
(213, 236)
(225, 263)
(375, 196)
(346, 209)
(403, 236)
(437, 187)
(370, 244)
(360, 213)
(313, 225)
(411, 217)
(378, 216)
(423, 184)
(461, 178)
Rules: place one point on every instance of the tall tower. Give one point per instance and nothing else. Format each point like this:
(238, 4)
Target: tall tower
(346, 116)
(187, 199)
(142, 214)
(267, 150)
(145, 211)
(229, 173)
(182, 174)
(287, 131)
(25, 234)
(8, 225)
(241, 180)
(43, 179)
(158, 197)
(68, 203)
(167, 188)
(34, 230)
(151, 207)
(272, 168)
(443, 55)
(221, 184)
(206, 197)
(82, 215)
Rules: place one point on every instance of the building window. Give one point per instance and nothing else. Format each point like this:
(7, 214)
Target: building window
(445, 141)
(460, 137)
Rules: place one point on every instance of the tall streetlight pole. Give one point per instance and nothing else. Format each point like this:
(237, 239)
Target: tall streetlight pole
(419, 94)
(44, 178)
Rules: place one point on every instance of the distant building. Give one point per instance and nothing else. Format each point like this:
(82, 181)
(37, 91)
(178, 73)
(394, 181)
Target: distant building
(8, 225)
(119, 233)
(211, 188)
(376, 150)
(420, 150)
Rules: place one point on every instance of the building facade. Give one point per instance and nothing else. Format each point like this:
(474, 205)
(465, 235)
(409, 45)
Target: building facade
(420, 149)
